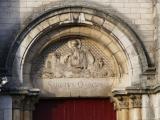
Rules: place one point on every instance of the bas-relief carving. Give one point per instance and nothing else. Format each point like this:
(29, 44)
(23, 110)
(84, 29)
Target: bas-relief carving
(73, 62)
(77, 62)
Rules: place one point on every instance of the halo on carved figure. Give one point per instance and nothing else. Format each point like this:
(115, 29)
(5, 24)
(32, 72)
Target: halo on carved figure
(74, 43)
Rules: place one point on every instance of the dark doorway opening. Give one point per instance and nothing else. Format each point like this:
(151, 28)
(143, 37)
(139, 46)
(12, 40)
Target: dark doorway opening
(74, 109)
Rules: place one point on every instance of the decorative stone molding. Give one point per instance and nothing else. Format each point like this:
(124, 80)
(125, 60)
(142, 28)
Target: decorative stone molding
(130, 98)
(148, 77)
(128, 103)
(141, 90)
(135, 101)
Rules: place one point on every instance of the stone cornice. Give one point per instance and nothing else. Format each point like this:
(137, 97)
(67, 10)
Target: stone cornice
(23, 98)
(20, 91)
(138, 90)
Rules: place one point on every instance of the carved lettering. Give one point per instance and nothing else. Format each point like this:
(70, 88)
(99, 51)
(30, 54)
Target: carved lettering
(91, 86)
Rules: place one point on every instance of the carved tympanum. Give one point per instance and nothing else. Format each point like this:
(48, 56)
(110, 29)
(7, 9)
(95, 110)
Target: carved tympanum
(72, 59)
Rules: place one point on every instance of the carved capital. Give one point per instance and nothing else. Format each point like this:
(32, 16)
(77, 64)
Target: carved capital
(122, 102)
(29, 102)
(135, 101)
(17, 102)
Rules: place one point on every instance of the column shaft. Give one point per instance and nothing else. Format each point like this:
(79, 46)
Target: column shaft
(119, 115)
(17, 114)
(17, 107)
(135, 107)
(122, 106)
(125, 114)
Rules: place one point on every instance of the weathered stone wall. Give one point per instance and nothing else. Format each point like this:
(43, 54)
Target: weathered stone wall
(9, 25)
(15, 13)
(151, 102)
(150, 107)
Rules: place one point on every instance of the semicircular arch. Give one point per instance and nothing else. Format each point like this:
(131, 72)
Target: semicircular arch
(82, 21)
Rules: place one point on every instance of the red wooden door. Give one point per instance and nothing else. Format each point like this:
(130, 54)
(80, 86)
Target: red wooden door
(74, 109)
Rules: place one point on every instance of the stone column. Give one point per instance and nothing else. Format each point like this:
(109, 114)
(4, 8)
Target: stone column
(118, 113)
(116, 107)
(17, 107)
(122, 108)
(135, 107)
(29, 104)
(23, 101)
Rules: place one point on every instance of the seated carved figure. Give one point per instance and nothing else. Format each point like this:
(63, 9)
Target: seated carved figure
(76, 62)
(78, 57)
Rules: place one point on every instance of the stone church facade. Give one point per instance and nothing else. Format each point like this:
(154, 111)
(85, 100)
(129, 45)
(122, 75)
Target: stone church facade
(80, 49)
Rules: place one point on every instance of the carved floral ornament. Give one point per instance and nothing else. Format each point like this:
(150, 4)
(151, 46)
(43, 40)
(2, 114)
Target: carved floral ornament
(136, 101)
(24, 102)
(126, 102)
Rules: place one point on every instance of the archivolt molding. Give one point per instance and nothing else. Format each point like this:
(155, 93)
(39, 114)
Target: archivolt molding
(106, 29)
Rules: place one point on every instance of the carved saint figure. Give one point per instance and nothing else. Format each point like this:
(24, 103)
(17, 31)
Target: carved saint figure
(99, 68)
(78, 59)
